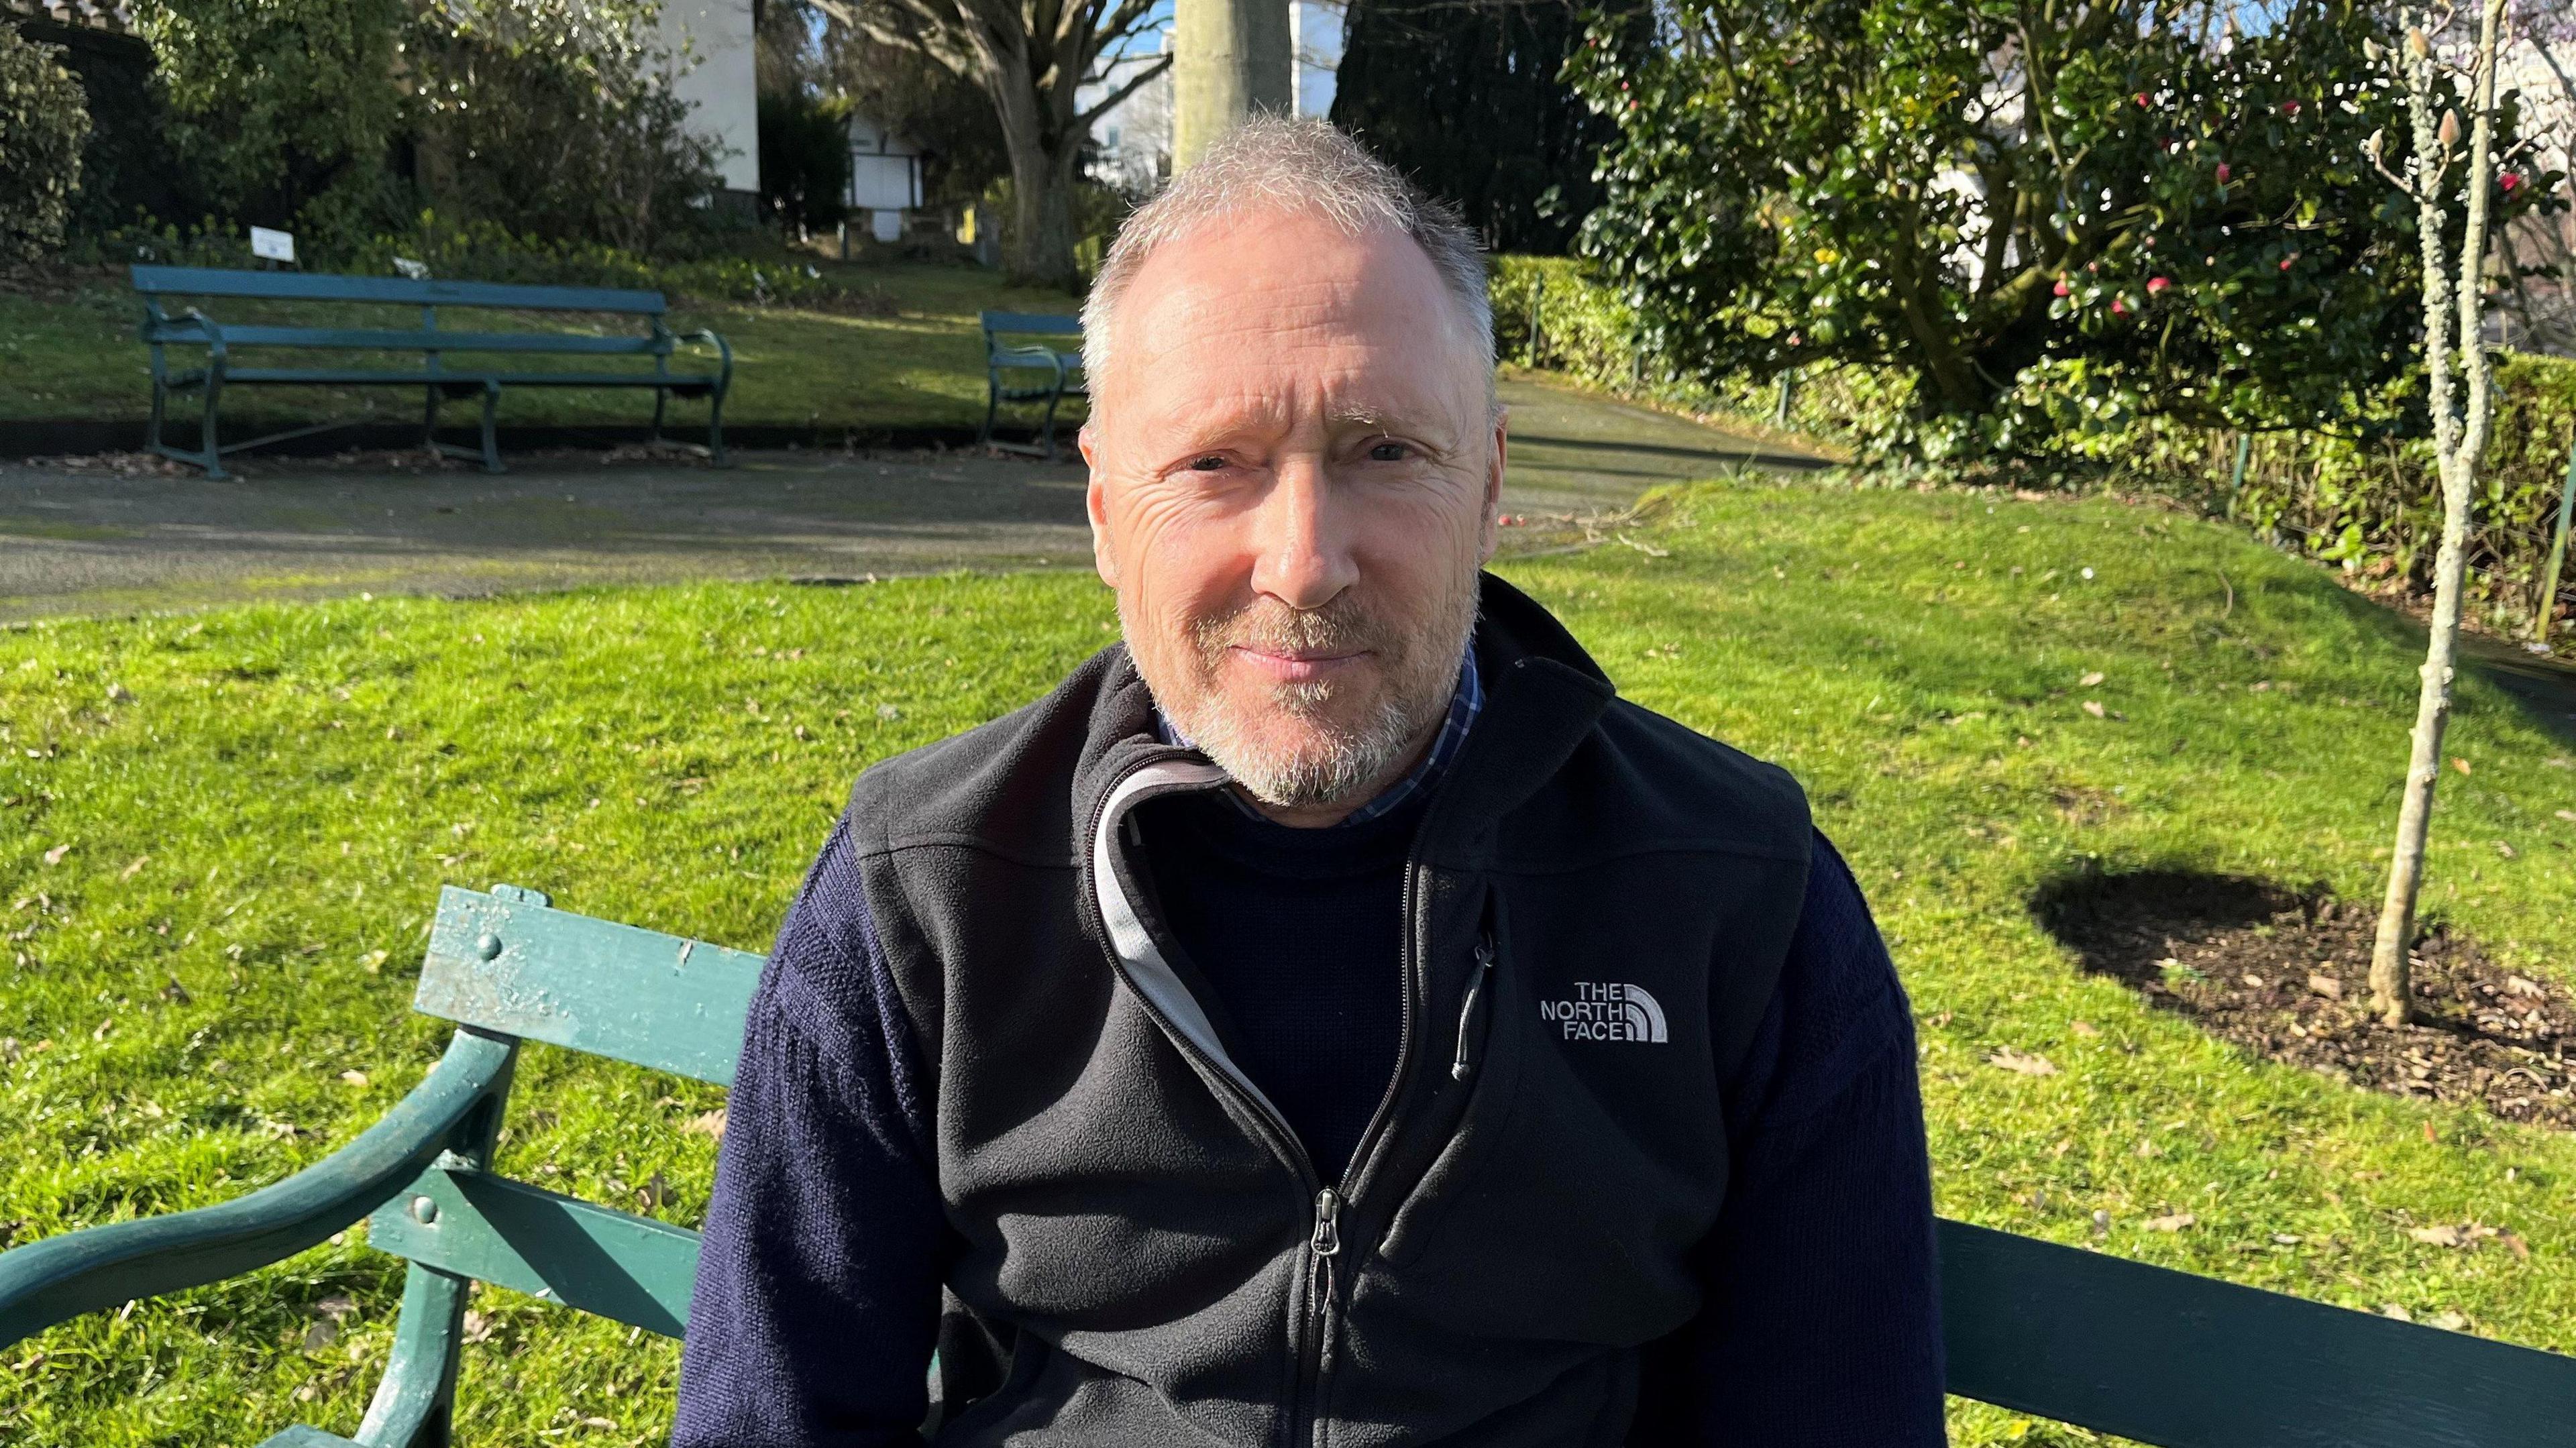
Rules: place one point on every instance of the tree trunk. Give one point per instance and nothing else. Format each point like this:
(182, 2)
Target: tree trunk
(2457, 443)
(1041, 250)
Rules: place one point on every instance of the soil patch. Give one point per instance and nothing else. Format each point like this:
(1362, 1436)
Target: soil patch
(2285, 974)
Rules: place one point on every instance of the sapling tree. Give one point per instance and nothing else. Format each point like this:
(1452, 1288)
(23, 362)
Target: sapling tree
(2462, 405)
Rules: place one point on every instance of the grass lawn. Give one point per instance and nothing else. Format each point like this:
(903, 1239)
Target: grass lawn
(219, 887)
(73, 356)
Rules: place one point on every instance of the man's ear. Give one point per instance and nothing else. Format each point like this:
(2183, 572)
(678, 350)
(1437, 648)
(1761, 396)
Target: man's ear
(1489, 536)
(1095, 501)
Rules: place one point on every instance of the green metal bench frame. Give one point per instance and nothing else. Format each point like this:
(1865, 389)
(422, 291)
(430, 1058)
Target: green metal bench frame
(1061, 372)
(2159, 1356)
(439, 377)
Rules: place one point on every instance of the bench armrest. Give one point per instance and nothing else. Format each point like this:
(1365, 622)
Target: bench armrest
(1034, 358)
(61, 1277)
(724, 353)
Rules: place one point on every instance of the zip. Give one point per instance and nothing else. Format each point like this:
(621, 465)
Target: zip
(1324, 1245)
(1326, 1242)
(1463, 1063)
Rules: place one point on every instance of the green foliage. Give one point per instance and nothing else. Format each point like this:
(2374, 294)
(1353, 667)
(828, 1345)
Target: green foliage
(297, 781)
(285, 107)
(2053, 220)
(2371, 507)
(1470, 102)
(804, 159)
(1556, 312)
(44, 121)
(2367, 503)
(485, 251)
(552, 118)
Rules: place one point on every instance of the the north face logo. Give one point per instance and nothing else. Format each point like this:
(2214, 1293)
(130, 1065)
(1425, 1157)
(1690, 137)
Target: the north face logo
(1606, 1010)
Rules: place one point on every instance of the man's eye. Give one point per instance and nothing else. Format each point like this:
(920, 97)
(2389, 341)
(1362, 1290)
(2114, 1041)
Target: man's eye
(1387, 452)
(1207, 463)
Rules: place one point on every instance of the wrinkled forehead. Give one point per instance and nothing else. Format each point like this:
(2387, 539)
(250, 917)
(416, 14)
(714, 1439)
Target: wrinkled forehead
(1290, 303)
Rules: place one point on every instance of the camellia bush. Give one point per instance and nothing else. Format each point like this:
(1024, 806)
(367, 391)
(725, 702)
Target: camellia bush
(44, 120)
(2051, 220)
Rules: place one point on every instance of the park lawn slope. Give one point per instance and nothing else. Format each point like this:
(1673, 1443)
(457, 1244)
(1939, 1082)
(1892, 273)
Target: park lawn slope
(72, 356)
(221, 883)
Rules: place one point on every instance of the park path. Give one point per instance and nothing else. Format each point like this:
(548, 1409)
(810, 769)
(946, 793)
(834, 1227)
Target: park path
(126, 534)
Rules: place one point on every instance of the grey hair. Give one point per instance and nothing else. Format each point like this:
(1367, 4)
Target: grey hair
(1271, 163)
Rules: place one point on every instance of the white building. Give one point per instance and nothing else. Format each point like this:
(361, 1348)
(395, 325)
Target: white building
(885, 178)
(1132, 142)
(712, 69)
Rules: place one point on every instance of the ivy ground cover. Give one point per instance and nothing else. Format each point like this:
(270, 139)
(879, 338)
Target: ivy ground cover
(221, 835)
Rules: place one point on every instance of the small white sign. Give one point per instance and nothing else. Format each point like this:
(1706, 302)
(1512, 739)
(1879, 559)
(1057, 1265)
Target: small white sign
(272, 245)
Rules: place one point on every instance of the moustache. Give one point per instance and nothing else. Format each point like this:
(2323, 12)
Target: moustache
(1273, 627)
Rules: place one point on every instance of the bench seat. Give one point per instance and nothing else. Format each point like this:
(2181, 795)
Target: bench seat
(456, 362)
(2083, 1337)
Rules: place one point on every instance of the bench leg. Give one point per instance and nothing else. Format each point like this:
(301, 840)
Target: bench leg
(661, 400)
(715, 427)
(1048, 429)
(992, 405)
(414, 1406)
(213, 456)
(429, 419)
(491, 443)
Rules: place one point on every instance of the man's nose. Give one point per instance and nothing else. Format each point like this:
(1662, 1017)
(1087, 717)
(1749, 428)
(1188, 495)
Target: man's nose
(1304, 537)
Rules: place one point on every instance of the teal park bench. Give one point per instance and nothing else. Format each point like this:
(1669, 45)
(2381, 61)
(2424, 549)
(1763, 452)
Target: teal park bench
(2159, 1356)
(452, 363)
(1030, 371)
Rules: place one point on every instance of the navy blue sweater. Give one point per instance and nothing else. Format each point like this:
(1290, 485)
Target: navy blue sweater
(818, 1289)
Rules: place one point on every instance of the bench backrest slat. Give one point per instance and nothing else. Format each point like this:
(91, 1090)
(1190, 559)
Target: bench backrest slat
(1031, 324)
(2185, 1361)
(194, 281)
(523, 969)
(555, 1248)
(401, 340)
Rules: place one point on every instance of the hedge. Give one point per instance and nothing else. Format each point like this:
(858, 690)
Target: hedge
(2372, 508)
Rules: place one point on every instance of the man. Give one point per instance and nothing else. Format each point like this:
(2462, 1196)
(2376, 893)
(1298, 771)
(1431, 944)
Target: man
(1331, 1017)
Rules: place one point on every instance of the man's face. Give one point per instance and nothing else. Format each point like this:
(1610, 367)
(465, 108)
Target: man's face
(1294, 475)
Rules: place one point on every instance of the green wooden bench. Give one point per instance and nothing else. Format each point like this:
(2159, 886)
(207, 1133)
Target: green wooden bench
(1052, 374)
(438, 373)
(2159, 1356)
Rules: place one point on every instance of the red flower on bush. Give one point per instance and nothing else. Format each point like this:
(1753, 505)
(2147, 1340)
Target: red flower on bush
(2156, 285)
(2062, 287)
(2285, 261)
(2222, 172)
(2508, 181)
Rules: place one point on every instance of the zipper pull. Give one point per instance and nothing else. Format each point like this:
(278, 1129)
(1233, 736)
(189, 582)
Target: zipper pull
(1462, 1065)
(1328, 1223)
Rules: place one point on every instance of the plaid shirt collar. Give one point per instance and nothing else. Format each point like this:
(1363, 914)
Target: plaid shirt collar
(1464, 704)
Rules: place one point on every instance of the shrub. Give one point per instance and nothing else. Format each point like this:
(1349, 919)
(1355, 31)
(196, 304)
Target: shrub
(554, 118)
(285, 109)
(44, 121)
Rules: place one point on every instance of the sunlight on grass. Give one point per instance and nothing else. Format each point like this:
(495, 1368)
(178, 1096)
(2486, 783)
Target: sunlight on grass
(248, 812)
